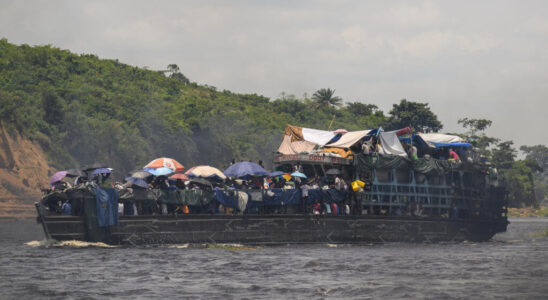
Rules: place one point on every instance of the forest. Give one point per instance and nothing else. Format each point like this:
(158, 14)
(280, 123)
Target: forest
(83, 109)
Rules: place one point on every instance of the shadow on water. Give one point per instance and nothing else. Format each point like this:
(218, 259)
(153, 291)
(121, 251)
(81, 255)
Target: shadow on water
(512, 265)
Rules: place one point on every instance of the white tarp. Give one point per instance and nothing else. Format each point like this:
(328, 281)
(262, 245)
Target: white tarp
(441, 138)
(350, 138)
(390, 144)
(287, 147)
(320, 137)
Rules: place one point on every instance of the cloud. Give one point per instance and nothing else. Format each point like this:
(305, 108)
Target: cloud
(467, 59)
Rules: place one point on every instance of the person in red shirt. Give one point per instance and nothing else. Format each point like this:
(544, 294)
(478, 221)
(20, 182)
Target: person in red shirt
(453, 155)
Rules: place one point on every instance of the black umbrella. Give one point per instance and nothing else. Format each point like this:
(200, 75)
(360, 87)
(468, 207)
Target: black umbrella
(75, 173)
(333, 172)
(93, 166)
(202, 181)
(141, 174)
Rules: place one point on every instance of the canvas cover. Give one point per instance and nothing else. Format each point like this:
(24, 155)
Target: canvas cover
(441, 138)
(350, 138)
(318, 137)
(390, 144)
(288, 147)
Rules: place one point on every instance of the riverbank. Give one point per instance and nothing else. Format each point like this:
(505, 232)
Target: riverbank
(528, 212)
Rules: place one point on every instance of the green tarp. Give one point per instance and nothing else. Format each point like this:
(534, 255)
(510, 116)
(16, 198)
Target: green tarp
(185, 197)
(365, 163)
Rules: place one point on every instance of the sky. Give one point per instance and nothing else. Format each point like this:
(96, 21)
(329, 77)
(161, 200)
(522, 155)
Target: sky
(476, 59)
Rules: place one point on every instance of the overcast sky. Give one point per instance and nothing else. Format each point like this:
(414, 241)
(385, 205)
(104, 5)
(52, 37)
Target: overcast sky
(475, 59)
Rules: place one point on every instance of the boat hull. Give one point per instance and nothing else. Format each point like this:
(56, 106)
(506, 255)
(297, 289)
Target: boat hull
(274, 229)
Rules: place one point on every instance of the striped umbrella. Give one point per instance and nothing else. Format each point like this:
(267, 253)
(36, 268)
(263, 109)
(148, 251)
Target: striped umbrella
(165, 162)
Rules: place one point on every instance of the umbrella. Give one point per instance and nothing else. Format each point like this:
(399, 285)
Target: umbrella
(137, 182)
(276, 173)
(57, 177)
(93, 166)
(201, 181)
(101, 171)
(179, 176)
(140, 174)
(287, 177)
(161, 171)
(245, 168)
(298, 174)
(165, 162)
(75, 173)
(333, 172)
(205, 172)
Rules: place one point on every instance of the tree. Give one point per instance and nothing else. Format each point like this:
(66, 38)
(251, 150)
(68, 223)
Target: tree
(503, 156)
(362, 109)
(176, 73)
(538, 153)
(476, 136)
(475, 125)
(324, 98)
(416, 115)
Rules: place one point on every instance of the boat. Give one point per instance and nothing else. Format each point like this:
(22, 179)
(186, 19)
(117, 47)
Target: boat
(400, 200)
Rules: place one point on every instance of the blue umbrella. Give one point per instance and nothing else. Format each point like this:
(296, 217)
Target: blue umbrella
(298, 174)
(137, 182)
(161, 171)
(101, 171)
(245, 168)
(276, 173)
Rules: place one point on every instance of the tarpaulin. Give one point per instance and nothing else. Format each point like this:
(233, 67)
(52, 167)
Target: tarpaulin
(319, 137)
(327, 196)
(441, 138)
(232, 198)
(364, 163)
(350, 138)
(390, 144)
(107, 206)
(288, 147)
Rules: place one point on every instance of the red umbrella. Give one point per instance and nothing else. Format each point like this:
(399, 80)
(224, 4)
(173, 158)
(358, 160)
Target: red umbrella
(179, 176)
(165, 162)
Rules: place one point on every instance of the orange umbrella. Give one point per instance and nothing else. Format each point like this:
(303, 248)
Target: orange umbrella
(179, 176)
(165, 162)
(287, 177)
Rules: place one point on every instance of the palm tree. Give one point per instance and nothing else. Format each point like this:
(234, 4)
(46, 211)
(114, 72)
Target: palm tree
(324, 98)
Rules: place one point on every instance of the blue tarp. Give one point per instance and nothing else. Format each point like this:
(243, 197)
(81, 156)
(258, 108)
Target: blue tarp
(327, 196)
(107, 206)
(227, 198)
(455, 145)
(419, 142)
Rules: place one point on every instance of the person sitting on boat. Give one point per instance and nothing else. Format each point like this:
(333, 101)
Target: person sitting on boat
(454, 211)
(453, 156)
(66, 208)
(413, 153)
(316, 208)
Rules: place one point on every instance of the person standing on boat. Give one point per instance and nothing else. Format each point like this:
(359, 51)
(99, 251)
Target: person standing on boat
(66, 208)
(453, 155)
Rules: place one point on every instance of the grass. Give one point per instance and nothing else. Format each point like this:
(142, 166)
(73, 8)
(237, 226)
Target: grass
(528, 212)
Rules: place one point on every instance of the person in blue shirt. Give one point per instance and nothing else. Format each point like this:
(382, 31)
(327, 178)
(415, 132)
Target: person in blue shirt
(66, 208)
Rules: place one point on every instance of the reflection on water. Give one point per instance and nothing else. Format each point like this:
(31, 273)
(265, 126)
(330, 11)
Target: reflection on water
(512, 265)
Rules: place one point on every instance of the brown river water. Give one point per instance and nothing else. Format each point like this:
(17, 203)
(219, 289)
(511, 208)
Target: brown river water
(514, 265)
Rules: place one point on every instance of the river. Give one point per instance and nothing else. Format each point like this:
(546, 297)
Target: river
(513, 265)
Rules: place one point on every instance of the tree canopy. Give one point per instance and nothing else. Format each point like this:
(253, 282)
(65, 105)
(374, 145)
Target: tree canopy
(416, 115)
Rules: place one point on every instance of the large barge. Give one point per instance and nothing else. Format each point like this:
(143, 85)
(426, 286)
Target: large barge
(408, 200)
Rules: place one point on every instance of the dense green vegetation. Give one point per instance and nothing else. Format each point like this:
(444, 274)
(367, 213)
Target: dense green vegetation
(83, 109)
